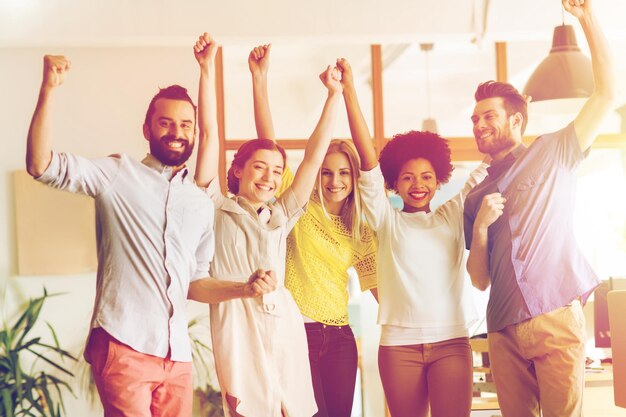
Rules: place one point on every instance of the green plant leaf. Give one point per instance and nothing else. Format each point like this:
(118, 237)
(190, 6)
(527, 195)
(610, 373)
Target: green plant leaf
(54, 336)
(60, 351)
(42, 357)
(7, 404)
(28, 393)
(28, 344)
(26, 322)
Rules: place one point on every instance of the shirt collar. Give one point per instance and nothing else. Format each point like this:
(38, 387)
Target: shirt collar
(501, 166)
(166, 171)
(263, 213)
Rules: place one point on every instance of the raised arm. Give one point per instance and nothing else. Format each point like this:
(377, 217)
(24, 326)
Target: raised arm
(358, 128)
(208, 140)
(588, 122)
(259, 64)
(317, 144)
(39, 142)
(475, 178)
(490, 210)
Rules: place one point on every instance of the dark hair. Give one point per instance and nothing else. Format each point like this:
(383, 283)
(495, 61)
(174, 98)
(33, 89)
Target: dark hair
(173, 92)
(514, 102)
(244, 153)
(411, 145)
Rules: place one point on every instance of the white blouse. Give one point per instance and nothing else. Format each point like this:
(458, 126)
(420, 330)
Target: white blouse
(423, 293)
(259, 344)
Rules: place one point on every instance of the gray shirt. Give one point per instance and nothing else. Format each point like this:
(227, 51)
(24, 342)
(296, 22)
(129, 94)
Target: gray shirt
(154, 233)
(535, 263)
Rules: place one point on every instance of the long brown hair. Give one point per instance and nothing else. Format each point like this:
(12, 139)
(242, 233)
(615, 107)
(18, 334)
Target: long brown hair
(351, 214)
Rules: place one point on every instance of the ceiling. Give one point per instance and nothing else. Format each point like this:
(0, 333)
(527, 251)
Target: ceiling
(306, 32)
(168, 22)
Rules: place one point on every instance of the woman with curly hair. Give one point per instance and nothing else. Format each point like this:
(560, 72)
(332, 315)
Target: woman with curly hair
(424, 356)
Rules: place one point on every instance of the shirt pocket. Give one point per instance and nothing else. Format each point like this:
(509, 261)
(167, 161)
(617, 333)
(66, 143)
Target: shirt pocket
(532, 181)
(194, 223)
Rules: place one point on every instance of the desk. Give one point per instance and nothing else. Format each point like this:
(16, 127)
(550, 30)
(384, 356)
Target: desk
(598, 400)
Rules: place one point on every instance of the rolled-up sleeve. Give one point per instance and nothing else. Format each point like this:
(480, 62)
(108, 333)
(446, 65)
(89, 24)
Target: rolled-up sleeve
(376, 205)
(77, 174)
(206, 249)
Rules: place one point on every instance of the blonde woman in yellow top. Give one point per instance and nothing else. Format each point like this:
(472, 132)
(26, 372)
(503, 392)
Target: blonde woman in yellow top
(328, 239)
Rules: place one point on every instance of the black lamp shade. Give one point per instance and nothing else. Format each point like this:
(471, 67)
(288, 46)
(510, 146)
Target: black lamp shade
(565, 73)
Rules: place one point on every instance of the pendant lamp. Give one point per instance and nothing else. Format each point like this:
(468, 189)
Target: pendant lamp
(564, 73)
(429, 124)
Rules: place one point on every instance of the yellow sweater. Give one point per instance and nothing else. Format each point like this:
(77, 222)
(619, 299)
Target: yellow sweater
(319, 253)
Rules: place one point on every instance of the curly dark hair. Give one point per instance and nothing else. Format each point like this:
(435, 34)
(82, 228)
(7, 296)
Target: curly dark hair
(244, 153)
(411, 145)
(514, 102)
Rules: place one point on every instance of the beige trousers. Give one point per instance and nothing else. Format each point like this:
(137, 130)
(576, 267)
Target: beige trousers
(538, 365)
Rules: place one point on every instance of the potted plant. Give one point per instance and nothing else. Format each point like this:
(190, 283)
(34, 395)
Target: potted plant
(208, 400)
(32, 392)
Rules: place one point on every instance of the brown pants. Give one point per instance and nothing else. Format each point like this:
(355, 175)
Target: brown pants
(539, 364)
(437, 373)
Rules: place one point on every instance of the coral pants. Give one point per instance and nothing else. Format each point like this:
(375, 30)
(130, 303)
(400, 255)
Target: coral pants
(134, 384)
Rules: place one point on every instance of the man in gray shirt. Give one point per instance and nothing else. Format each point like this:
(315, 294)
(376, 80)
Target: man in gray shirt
(519, 229)
(155, 241)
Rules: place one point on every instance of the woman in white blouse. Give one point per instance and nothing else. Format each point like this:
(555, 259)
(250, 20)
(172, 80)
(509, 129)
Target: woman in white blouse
(259, 344)
(425, 302)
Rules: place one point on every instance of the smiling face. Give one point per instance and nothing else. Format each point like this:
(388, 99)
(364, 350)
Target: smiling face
(496, 132)
(417, 184)
(336, 181)
(171, 131)
(260, 176)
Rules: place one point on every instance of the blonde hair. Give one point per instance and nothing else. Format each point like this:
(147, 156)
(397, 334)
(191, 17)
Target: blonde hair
(351, 213)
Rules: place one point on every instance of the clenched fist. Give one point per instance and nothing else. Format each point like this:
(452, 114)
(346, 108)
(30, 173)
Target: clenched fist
(259, 59)
(490, 210)
(54, 69)
(205, 49)
(260, 282)
(331, 78)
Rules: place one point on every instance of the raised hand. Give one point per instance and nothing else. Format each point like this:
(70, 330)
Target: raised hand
(205, 49)
(331, 78)
(259, 59)
(54, 69)
(490, 210)
(577, 8)
(347, 79)
(260, 282)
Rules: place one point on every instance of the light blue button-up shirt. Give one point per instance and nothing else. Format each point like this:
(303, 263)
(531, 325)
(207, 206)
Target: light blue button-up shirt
(154, 231)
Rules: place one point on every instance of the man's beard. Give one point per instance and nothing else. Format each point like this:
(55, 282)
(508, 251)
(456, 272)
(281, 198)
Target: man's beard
(160, 150)
(502, 141)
